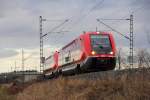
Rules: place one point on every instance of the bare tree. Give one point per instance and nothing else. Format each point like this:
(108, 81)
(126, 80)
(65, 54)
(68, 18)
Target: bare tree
(121, 59)
(143, 58)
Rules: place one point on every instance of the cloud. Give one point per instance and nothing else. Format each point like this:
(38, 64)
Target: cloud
(5, 53)
(143, 3)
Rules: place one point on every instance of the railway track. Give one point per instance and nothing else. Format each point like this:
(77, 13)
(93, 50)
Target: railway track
(102, 74)
(112, 74)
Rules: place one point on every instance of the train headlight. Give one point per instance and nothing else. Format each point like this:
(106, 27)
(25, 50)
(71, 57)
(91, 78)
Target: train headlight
(93, 52)
(111, 53)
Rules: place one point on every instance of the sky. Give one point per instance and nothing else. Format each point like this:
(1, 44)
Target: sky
(19, 26)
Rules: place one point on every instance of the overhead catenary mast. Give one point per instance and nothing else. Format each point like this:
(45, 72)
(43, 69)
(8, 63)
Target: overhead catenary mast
(22, 60)
(23, 66)
(41, 45)
(131, 41)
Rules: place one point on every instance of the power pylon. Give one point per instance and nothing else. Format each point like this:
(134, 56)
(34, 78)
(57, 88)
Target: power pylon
(131, 41)
(41, 45)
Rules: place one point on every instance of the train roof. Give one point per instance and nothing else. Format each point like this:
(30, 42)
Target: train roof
(99, 32)
(85, 33)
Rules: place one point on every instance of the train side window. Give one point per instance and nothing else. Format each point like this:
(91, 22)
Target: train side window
(68, 58)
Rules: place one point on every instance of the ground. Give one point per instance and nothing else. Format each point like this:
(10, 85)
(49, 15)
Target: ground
(126, 86)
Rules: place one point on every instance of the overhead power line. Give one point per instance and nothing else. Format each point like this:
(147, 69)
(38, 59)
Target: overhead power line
(114, 19)
(57, 28)
(89, 11)
(138, 9)
(96, 5)
(28, 57)
(92, 9)
(54, 32)
(54, 20)
(131, 12)
(113, 29)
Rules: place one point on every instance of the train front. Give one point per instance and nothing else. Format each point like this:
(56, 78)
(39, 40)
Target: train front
(100, 51)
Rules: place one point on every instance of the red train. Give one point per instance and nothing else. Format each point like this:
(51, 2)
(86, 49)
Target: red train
(91, 51)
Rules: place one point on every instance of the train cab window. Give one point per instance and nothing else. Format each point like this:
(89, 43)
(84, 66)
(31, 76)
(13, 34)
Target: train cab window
(100, 44)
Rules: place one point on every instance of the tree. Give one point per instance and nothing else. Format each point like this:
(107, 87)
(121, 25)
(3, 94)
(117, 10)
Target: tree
(143, 58)
(121, 59)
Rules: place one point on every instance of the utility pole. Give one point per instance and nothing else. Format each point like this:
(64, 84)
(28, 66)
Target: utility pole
(41, 45)
(131, 41)
(15, 67)
(96, 29)
(11, 69)
(119, 58)
(22, 66)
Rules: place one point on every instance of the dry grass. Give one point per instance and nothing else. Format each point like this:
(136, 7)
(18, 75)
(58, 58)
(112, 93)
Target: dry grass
(121, 88)
(4, 95)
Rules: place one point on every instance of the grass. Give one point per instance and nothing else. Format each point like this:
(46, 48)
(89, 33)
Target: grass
(4, 94)
(120, 88)
(123, 87)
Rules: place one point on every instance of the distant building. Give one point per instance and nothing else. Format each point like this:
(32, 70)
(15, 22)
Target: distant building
(21, 76)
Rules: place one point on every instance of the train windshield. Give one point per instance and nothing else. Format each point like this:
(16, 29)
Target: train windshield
(101, 44)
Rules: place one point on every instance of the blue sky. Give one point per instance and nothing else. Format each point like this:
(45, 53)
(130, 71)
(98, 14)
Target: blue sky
(19, 25)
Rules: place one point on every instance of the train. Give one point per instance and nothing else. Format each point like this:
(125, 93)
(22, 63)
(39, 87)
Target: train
(89, 52)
